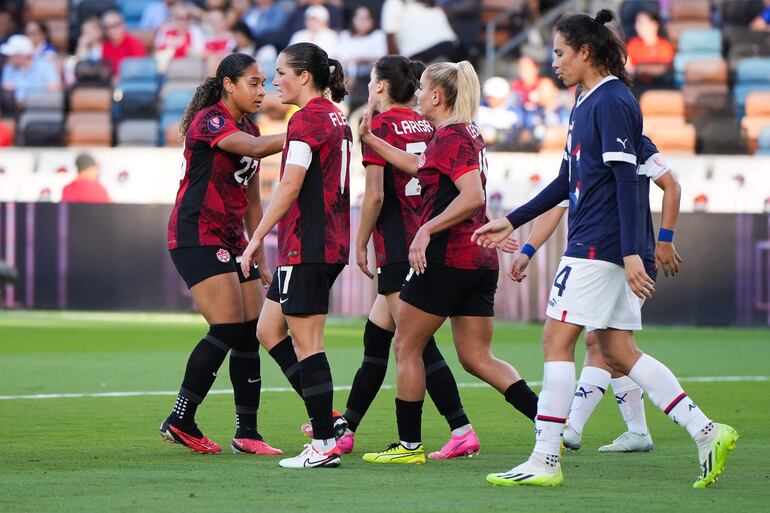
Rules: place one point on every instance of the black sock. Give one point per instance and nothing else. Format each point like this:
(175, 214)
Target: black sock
(318, 392)
(370, 376)
(409, 418)
(522, 398)
(201, 370)
(442, 387)
(247, 381)
(284, 355)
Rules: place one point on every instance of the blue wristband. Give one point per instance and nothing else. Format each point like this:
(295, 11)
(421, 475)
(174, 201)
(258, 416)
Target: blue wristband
(528, 250)
(665, 235)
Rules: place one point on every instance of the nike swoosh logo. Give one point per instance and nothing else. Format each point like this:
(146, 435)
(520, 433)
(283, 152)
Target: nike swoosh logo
(253, 380)
(282, 301)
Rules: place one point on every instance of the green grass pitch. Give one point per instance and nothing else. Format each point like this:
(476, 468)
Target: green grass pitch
(97, 453)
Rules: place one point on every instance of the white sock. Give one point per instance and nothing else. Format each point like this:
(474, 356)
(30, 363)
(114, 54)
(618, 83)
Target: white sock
(592, 384)
(410, 445)
(666, 393)
(324, 445)
(553, 406)
(462, 430)
(630, 399)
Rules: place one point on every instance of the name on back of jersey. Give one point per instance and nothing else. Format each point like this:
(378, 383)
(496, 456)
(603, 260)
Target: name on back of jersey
(408, 126)
(338, 119)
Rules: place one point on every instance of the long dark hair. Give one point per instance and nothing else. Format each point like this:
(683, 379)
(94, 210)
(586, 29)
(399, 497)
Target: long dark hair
(607, 49)
(210, 91)
(401, 74)
(314, 59)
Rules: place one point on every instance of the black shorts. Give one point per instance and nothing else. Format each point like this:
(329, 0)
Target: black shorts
(450, 292)
(303, 289)
(197, 263)
(390, 277)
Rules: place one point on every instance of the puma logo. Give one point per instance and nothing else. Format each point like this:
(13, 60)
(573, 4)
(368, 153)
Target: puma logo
(623, 142)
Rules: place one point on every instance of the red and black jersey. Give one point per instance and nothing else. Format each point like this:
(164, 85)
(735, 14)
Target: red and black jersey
(316, 228)
(401, 209)
(455, 150)
(211, 202)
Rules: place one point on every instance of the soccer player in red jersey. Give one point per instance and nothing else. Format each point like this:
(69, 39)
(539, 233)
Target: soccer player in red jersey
(312, 209)
(449, 277)
(218, 192)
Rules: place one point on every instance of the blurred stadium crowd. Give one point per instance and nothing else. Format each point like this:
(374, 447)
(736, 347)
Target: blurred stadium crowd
(106, 72)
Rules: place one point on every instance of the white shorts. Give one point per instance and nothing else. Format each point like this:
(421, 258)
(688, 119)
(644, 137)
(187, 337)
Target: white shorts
(594, 294)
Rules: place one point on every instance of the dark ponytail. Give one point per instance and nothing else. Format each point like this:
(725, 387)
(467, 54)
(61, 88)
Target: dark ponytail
(314, 59)
(211, 90)
(401, 74)
(606, 46)
(337, 81)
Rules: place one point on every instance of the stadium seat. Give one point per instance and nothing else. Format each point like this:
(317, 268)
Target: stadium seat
(89, 129)
(47, 9)
(45, 101)
(186, 70)
(137, 133)
(739, 13)
(758, 104)
(719, 135)
(93, 73)
(763, 143)
(751, 75)
(138, 68)
(132, 11)
(91, 99)
(171, 135)
(704, 100)
(696, 45)
(553, 140)
(662, 103)
(135, 95)
(757, 116)
(673, 138)
(675, 29)
(690, 10)
(45, 128)
(706, 71)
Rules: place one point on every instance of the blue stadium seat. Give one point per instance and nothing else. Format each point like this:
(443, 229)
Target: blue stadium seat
(135, 100)
(138, 69)
(751, 75)
(763, 143)
(701, 40)
(132, 11)
(176, 101)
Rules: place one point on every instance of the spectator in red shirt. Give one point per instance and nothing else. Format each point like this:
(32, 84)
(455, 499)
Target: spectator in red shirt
(119, 44)
(86, 187)
(525, 87)
(649, 55)
(219, 39)
(179, 37)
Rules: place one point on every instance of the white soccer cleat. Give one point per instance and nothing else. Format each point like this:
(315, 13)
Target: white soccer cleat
(571, 439)
(528, 473)
(629, 442)
(312, 458)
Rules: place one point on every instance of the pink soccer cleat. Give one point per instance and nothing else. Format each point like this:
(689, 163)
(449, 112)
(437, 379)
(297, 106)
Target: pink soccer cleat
(253, 446)
(340, 425)
(464, 445)
(192, 438)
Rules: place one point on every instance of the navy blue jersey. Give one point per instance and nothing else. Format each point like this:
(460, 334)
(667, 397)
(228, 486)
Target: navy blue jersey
(605, 127)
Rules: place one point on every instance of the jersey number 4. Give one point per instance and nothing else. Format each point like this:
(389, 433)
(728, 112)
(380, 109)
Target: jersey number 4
(563, 276)
(413, 186)
(244, 174)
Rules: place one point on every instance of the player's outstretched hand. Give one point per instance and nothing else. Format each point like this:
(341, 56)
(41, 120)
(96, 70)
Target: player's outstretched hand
(638, 279)
(510, 245)
(417, 259)
(520, 264)
(362, 259)
(667, 258)
(250, 255)
(492, 233)
(365, 127)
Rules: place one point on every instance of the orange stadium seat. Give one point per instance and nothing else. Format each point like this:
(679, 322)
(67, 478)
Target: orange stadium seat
(673, 138)
(690, 10)
(663, 104)
(91, 99)
(47, 9)
(757, 117)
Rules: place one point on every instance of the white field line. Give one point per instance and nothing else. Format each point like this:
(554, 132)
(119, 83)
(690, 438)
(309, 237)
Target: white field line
(694, 379)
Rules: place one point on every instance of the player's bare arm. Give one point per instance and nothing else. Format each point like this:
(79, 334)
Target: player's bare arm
(666, 256)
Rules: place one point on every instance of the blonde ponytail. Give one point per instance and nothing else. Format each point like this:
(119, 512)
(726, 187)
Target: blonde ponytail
(461, 87)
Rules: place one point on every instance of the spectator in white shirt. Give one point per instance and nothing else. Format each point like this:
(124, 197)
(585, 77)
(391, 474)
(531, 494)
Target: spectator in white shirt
(419, 30)
(317, 30)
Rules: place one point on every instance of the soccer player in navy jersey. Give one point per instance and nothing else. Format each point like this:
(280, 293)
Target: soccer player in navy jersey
(450, 276)
(312, 209)
(601, 281)
(218, 192)
(391, 211)
(596, 375)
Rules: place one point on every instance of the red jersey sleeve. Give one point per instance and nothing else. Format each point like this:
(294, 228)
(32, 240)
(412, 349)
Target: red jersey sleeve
(371, 157)
(457, 155)
(211, 127)
(305, 127)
